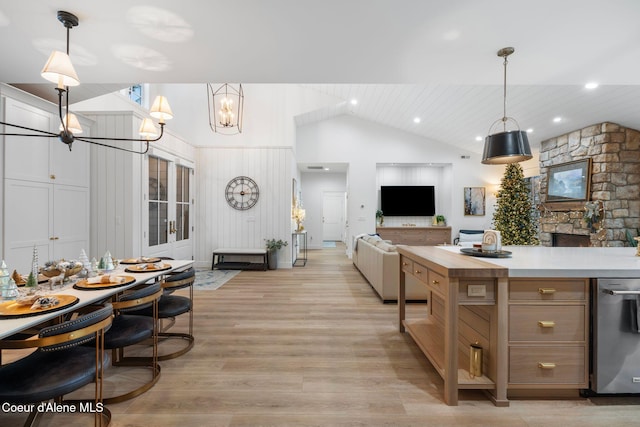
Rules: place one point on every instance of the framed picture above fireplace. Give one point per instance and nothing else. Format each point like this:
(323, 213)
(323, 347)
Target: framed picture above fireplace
(569, 182)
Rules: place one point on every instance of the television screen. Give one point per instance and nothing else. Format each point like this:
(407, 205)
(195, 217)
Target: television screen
(408, 200)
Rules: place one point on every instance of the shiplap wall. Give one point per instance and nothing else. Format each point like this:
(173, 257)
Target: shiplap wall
(118, 185)
(218, 225)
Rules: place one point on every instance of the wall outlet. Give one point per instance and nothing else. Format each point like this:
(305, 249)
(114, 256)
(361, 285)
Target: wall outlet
(477, 291)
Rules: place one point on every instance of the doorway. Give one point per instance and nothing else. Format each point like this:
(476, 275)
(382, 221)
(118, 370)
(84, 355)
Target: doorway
(333, 216)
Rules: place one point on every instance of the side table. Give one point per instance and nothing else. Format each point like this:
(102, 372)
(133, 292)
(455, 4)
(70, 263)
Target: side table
(299, 248)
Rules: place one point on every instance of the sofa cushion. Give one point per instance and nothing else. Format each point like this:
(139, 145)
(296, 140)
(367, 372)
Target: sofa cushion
(385, 246)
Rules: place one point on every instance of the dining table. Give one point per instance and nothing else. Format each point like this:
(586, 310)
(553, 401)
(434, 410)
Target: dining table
(75, 297)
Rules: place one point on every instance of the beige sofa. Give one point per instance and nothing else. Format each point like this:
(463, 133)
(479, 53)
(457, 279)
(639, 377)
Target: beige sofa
(379, 263)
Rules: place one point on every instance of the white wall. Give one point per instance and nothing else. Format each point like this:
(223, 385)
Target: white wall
(220, 226)
(364, 144)
(314, 185)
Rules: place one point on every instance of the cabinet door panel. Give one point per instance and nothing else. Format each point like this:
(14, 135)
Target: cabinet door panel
(27, 222)
(71, 213)
(27, 158)
(70, 167)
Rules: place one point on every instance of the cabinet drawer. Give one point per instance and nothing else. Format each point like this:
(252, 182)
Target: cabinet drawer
(438, 282)
(406, 264)
(420, 272)
(547, 365)
(547, 323)
(547, 290)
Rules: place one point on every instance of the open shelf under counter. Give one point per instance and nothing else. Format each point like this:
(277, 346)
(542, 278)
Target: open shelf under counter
(430, 337)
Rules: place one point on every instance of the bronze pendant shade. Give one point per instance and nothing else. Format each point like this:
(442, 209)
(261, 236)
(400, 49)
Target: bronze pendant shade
(506, 147)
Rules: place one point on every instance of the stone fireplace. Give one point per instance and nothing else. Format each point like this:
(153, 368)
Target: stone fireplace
(615, 185)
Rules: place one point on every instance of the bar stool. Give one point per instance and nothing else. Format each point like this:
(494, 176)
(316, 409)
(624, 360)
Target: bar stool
(60, 365)
(130, 329)
(170, 306)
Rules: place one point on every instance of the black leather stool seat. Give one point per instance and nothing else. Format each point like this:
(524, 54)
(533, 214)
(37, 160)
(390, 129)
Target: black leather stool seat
(43, 375)
(128, 330)
(168, 306)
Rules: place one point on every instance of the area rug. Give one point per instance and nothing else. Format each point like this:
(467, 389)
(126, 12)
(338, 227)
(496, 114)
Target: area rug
(328, 244)
(210, 280)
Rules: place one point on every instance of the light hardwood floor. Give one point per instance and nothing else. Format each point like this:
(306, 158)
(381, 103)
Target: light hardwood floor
(314, 346)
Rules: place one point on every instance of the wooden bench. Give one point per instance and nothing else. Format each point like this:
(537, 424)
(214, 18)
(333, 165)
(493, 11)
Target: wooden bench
(239, 259)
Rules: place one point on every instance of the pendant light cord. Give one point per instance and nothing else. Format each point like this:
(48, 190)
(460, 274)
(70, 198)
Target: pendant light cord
(504, 99)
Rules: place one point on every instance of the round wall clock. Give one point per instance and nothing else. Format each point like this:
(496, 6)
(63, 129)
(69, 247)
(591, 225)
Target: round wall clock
(242, 193)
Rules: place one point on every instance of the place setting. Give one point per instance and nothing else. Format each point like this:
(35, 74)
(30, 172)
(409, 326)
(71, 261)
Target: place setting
(34, 305)
(147, 268)
(140, 260)
(105, 281)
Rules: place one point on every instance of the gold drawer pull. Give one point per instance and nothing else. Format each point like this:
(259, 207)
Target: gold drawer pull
(418, 272)
(543, 365)
(546, 291)
(435, 282)
(404, 264)
(546, 323)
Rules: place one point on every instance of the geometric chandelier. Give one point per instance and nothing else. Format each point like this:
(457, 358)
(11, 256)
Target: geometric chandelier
(226, 105)
(508, 146)
(59, 70)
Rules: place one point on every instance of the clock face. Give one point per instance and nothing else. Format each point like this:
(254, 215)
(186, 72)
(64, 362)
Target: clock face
(242, 193)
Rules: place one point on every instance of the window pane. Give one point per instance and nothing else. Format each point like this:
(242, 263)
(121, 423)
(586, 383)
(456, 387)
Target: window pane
(185, 220)
(153, 178)
(187, 173)
(178, 222)
(153, 223)
(162, 223)
(179, 184)
(163, 178)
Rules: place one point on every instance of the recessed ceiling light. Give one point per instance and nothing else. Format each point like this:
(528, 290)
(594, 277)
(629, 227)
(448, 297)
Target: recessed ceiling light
(478, 138)
(529, 130)
(557, 119)
(416, 120)
(354, 102)
(591, 85)
(327, 169)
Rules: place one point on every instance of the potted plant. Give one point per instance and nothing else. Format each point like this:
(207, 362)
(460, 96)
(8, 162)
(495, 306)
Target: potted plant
(273, 246)
(441, 220)
(380, 217)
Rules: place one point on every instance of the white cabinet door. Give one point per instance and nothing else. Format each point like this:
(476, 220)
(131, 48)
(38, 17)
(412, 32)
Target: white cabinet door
(28, 223)
(71, 221)
(69, 167)
(27, 158)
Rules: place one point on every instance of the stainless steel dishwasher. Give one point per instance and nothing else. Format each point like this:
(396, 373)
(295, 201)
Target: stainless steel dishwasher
(616, 336)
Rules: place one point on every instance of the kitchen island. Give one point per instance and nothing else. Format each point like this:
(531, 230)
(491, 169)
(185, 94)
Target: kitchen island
(529, 313)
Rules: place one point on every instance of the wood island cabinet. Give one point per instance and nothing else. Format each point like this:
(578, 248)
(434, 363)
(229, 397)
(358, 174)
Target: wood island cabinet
(416, 236)
(534, 332)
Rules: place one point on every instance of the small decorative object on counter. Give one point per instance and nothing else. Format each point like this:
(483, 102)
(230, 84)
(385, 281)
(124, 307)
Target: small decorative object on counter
(34, 263)
(4, 274)
(491, 241)
(380, 217)
(637, 239)
(10, 291)
(32, 282)
(107, 262)
(475, 360)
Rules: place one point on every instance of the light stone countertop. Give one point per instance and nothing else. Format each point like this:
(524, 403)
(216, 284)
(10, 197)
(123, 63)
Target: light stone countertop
(541, 261)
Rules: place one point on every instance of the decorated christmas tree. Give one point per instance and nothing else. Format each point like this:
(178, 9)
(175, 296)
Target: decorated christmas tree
(512, 216)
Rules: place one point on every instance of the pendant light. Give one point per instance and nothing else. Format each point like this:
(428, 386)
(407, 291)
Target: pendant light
(59, 70)
(506, 146)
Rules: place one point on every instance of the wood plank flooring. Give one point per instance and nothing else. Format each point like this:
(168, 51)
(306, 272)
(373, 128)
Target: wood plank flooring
(314, 346)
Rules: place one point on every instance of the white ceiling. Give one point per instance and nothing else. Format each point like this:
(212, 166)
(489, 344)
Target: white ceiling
(400, 59)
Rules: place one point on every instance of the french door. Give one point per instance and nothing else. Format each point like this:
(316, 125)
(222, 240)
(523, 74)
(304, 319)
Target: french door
(169, 228)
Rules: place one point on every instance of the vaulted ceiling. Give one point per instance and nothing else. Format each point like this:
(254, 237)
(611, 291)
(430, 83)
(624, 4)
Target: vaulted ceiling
(400, 59)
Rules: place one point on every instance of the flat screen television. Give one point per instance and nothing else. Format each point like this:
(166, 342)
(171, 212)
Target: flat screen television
(408, 200)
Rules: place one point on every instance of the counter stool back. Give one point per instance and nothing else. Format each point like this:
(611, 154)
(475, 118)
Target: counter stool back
(60, 364)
